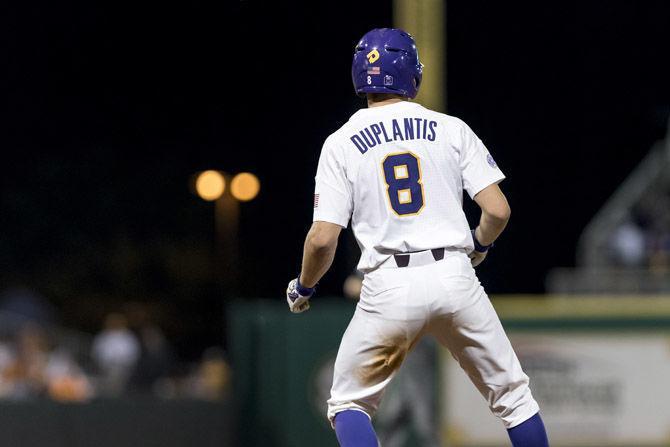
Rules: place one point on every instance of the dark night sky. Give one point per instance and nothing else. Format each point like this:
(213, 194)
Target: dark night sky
(109, 109)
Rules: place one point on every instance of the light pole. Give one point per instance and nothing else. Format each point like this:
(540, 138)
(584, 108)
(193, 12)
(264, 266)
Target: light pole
(227, 193)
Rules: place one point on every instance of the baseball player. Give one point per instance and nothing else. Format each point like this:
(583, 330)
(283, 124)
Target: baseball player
(398, 171)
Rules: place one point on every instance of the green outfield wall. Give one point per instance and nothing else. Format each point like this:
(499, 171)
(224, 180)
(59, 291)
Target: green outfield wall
(283, 362)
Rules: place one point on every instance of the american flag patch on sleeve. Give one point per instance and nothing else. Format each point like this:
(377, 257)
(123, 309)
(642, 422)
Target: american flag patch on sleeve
(316, 200)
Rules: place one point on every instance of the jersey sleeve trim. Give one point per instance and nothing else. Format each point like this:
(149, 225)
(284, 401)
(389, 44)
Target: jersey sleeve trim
(330, 218)
(484, 183)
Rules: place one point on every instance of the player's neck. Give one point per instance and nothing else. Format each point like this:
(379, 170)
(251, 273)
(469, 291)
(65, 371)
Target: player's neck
(384, 99)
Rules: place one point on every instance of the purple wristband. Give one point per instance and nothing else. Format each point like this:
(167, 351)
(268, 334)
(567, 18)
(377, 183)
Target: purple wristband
(479, 247)
(302, 290)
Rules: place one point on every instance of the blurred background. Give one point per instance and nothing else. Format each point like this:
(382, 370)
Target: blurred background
(157, 181)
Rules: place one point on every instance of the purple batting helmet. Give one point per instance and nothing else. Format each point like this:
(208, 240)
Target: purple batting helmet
(386, 61)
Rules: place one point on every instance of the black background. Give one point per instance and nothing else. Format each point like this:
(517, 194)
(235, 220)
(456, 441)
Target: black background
(109, 110)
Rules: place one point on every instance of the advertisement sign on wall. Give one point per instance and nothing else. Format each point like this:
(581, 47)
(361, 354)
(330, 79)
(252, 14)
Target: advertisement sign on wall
(593, 389)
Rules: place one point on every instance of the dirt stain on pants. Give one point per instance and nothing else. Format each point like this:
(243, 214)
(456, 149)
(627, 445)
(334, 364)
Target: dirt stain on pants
(384, 360)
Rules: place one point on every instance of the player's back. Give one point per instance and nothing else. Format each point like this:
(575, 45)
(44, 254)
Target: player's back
(399, 171)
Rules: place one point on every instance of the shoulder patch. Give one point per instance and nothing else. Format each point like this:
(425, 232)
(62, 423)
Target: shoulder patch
(491, 161)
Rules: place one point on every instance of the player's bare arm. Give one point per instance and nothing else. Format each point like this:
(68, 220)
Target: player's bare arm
(495, 215)
(318, 254)
(319, 251)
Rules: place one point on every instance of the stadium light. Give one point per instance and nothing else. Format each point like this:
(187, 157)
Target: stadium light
(217, 186)
(245, 186)
(210, 185)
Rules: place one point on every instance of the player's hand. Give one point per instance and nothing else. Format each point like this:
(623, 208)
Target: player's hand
(298, 302)
(476, 257)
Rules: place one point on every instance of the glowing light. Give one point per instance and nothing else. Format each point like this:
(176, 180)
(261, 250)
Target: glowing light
(210, 185)
(245, 186)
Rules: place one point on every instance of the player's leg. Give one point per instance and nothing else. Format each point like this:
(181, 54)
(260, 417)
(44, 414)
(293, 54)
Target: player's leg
(530, 433)
(351, 404)
(354, 429)
(373, 347)
(469, 327)
(366, 362)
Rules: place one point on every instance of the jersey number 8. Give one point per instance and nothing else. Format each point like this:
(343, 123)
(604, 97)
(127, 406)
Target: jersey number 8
(402, 173)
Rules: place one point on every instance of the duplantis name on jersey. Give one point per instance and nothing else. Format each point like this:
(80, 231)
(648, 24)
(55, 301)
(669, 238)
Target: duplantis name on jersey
(394, 130)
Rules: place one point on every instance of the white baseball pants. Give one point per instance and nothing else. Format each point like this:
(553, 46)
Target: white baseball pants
(439, 298)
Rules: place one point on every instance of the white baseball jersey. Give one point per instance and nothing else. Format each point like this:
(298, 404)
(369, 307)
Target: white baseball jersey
(398, 171)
